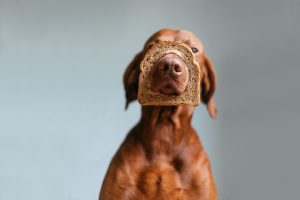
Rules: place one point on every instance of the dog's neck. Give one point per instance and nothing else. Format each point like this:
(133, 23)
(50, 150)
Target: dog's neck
(176, 116)
(163, 128)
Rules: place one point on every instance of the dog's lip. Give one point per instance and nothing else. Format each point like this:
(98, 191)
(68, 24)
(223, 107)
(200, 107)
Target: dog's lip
(170, 88)
(169, 91)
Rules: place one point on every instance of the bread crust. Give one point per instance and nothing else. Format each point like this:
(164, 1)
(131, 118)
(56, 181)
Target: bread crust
(191, 95)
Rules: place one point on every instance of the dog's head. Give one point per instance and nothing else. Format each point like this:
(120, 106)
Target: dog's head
(170, 73)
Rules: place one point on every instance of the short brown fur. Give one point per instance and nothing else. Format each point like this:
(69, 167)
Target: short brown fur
(162, 157)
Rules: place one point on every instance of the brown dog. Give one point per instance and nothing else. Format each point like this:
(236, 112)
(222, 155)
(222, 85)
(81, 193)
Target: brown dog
(162, 157)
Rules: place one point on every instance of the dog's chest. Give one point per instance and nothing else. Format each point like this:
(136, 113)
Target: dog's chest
(170, 171)
(168, 179)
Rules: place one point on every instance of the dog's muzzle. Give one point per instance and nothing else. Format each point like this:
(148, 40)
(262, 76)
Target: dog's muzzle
(169, 76)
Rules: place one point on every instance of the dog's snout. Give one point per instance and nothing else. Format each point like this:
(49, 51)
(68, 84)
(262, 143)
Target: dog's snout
(171, 65)
(170, 75)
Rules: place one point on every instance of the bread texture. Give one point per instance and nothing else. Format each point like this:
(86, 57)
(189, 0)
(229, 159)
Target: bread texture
(191, 95)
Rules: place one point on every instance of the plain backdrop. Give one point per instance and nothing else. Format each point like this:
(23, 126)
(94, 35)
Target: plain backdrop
(62, 101)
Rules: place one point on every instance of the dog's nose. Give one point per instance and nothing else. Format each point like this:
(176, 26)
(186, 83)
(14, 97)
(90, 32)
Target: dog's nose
(171, 65)
(170, 75)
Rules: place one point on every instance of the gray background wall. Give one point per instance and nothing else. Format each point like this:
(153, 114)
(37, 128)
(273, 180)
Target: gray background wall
(62, 101)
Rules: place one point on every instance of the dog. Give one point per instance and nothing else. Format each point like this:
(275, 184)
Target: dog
(162, 157)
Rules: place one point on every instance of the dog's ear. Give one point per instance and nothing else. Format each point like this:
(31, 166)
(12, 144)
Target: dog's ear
(131, 79)
(208, 86)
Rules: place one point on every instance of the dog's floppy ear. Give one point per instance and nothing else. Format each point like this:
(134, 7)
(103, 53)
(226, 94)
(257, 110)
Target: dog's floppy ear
(208, 86)
(131, 79)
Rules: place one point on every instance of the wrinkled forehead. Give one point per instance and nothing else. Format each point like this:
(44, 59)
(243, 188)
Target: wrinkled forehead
(176, 35)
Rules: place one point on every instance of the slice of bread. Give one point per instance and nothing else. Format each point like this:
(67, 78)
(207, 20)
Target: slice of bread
(191, 95)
